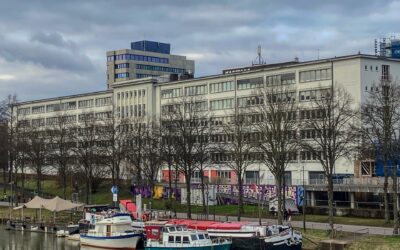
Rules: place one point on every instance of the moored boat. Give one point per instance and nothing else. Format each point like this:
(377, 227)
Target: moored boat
(112, 233)
(161, 236)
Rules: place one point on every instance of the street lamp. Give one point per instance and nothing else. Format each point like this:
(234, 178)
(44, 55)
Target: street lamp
(304, 203)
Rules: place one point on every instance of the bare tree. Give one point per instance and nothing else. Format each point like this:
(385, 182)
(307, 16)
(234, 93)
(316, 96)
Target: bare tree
(151, 156)
(381, 119)
(334, 135)
(89, 152)
(116, 133)
(61, 144)
(186, 116)
(277, 126)
(37, 153)
(237, 151)
(168, 153)
(135, 136)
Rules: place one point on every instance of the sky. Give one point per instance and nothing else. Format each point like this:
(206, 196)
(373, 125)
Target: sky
(52, 48)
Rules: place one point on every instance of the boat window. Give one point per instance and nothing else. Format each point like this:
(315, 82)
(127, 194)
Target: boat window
(164, 230)
(172, 229)
(178, 239)
(201, 236)
(185, 239)
(171, 239)
(193, 237)
(178, 228)
(206, 235)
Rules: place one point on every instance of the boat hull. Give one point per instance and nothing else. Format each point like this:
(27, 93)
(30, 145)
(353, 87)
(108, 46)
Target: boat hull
(226, 246)
(128, 241)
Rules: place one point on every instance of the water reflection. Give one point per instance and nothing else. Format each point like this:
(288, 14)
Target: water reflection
(17, 240)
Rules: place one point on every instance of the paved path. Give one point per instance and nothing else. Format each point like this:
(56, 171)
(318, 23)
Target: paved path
(299, 224)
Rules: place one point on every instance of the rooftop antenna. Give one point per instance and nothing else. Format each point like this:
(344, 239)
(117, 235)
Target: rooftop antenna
(318, 53)
(259, 59)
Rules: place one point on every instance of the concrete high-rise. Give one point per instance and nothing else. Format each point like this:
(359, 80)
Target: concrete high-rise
(145, 59)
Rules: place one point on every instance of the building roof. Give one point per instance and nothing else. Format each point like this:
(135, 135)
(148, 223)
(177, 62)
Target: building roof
(65, 97)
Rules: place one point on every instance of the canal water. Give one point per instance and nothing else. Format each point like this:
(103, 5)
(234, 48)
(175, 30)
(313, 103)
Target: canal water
(17, 240)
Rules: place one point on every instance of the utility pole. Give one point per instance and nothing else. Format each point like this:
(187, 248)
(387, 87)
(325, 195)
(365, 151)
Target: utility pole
(304, 203)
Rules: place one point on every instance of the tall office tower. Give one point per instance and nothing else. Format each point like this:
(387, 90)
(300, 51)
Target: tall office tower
(145, 59)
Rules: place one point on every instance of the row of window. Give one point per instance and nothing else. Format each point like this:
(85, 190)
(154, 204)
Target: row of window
(316, 94)
(138, 110)
(222, 104)
(160, 68)
(171, 93)
(121, 66)
(315, 75)
(145, 75)
(137, 58)
(283, 79)
(131, 94)
(121, 75)
(222, 87)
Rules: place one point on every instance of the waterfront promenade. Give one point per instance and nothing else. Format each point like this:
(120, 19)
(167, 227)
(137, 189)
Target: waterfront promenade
(299, 224)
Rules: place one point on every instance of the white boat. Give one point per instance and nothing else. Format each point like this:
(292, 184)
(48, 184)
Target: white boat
(170, 237)
(113, 233)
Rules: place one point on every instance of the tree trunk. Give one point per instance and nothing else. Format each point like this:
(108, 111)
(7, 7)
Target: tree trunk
(169, 182)
(385, 193)
(330, 205)
(395, 202)
(278, 181)
(188, 193)
(240, 203)
(203, 195)
(64, 183)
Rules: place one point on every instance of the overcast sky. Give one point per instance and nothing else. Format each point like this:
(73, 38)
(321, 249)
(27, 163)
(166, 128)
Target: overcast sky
(52, 48)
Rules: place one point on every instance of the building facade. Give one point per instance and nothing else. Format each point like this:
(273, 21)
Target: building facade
(145, 59)
(224, 94)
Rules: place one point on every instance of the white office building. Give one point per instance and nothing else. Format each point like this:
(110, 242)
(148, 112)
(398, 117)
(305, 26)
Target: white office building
(220, 93)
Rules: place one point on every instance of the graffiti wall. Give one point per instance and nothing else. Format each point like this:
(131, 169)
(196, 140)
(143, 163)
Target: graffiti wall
(249, 191)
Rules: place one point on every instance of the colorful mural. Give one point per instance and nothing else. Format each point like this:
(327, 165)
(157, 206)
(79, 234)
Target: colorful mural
(249, 191)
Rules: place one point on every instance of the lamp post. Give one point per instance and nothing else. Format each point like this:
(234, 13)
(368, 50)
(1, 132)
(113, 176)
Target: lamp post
(304, 203)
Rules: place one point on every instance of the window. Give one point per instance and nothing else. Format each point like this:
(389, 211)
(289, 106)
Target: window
(122, 66)
(221, 104)
(288, 178)
(68, 105)
(105, 101)
(52, 107)
(24, 111)
(145, 75)
(170, 239)
(252, 177)
(69, 119)
(250, 101)
(197, 106)
(193, 237)
(138, 58)
(122, 75)
(196, 90)
(52, 121)
(315, 75)
(201, 236)
(289, 78)
(160, 68)
(103, 115)
(38, 109)
(222, 87)
(250, 83)
(85, 103)
(185, 239)
(40, 122)
(171, 93)
(315, 94)
(225, 175)
(178, 239)
(385, 72)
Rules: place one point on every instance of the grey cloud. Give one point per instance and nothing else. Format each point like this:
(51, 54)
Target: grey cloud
(71, 37)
